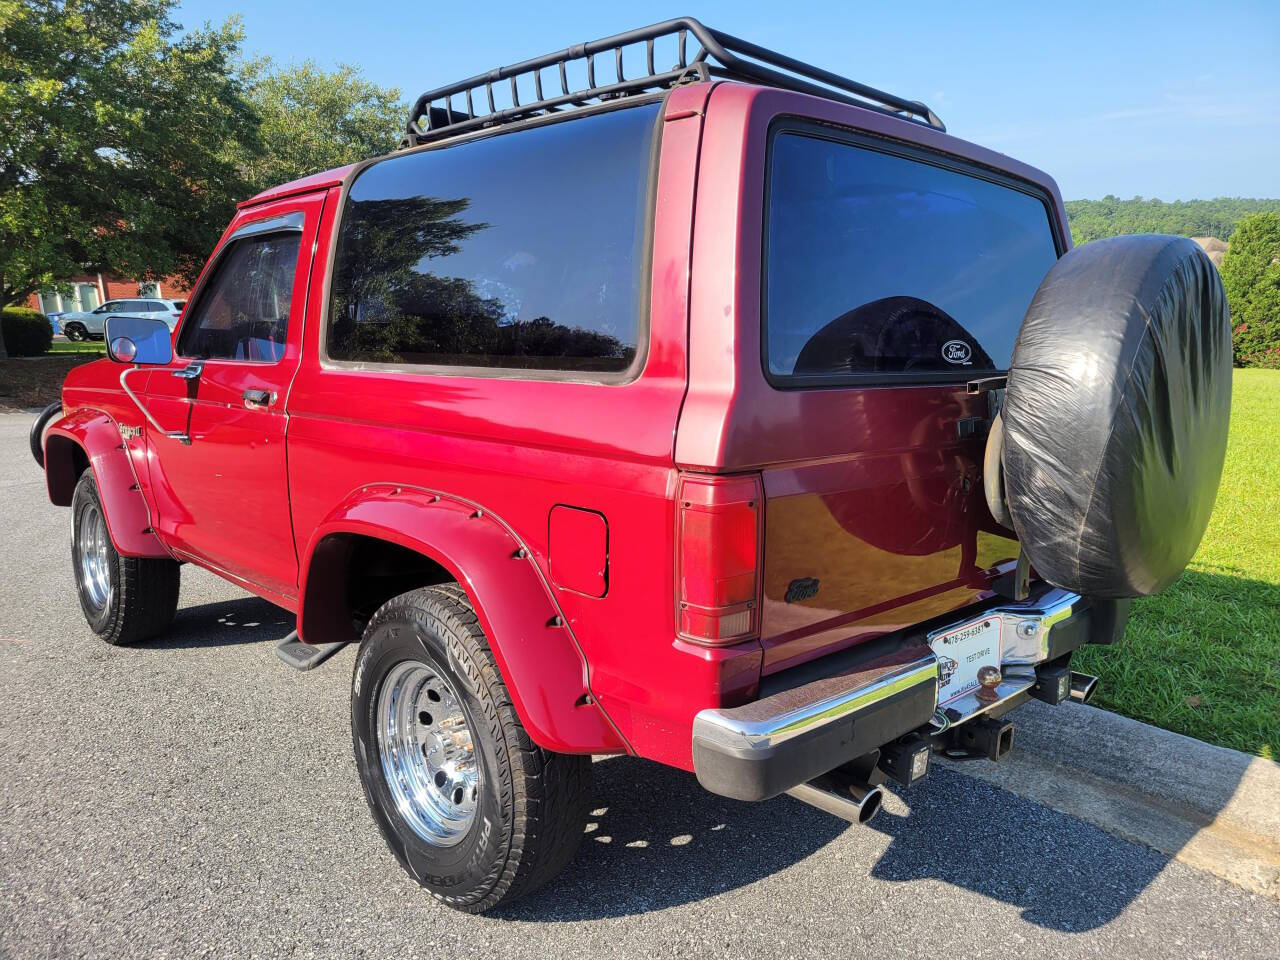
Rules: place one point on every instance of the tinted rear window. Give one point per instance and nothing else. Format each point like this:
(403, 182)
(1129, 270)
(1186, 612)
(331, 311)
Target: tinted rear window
(522, 250)
(882, 265)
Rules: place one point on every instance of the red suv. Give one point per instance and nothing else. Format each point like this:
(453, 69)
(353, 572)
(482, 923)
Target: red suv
(734, 416)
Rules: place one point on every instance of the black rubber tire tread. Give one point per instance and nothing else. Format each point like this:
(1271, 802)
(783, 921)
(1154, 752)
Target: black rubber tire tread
(144, 594)
(545, 795)
(38, 427)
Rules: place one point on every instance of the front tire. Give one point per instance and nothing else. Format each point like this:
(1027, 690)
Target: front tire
(40, 427)
(470, 806)
(125, 599)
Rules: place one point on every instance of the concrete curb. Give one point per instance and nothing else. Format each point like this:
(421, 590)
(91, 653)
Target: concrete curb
(1210, 807)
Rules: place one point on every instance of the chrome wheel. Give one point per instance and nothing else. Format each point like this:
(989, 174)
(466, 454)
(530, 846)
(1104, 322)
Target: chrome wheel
(93, 545)
(427, 752)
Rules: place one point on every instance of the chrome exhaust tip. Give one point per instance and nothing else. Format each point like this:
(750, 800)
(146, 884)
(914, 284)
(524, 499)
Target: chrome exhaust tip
(841, 797)
(1083, 686)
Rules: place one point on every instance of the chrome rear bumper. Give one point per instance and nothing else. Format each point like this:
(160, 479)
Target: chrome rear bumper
(764, 748)
(878, 693)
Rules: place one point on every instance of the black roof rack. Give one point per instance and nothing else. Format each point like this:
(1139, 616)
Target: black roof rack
(435, 115)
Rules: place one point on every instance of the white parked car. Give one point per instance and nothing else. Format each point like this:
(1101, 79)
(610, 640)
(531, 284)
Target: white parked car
(90, 325)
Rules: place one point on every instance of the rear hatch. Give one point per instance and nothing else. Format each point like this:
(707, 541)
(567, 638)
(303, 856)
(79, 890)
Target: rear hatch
(893, 278)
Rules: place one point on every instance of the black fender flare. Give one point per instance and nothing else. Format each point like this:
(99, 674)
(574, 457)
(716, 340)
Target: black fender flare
(42, 421)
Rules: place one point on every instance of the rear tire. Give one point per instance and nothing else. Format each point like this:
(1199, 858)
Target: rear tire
(75, 332)
(470, 806)
(125, 599)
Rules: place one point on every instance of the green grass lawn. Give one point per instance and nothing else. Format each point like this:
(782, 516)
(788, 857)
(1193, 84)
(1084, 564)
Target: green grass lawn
(1203, 658)
(84, 346)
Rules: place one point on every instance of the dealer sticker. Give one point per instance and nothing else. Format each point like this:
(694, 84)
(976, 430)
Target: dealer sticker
(961, 653)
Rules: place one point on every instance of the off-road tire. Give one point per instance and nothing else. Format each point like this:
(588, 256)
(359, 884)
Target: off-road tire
(532, 802)
(40, 427)
(142, 595)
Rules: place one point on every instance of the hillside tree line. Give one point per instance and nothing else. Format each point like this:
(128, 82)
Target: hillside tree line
(1111, 216)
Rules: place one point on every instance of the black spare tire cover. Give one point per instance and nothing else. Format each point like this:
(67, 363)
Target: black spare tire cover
(1115, 418)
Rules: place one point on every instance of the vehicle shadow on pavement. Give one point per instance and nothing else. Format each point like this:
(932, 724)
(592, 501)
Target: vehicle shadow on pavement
(656, 839)
(226, 623)
(1064, 874)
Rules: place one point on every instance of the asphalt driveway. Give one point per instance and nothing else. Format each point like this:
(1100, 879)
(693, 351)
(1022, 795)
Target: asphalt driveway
(196, 797)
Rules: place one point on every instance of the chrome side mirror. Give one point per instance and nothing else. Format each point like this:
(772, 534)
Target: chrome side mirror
(122, 349)
(138, 340)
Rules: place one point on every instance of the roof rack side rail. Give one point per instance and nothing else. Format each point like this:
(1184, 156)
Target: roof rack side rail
(719, 54)
(867, 96)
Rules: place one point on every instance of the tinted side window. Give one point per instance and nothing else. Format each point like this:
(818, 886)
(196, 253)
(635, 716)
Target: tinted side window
(879, 264)
(243, 314)
(523, 250)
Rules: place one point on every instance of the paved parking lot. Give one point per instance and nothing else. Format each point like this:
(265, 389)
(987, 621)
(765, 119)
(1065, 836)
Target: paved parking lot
(195, 797)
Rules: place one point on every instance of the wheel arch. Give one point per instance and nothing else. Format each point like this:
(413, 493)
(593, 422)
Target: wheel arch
(91, 438)
(539, 659)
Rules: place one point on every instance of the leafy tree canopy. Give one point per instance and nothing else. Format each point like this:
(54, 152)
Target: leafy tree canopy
(311, 120)
(1251, 276)
(1111, 216)
(122, 143)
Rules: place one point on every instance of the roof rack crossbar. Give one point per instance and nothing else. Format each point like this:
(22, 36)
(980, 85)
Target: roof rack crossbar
(718, 54)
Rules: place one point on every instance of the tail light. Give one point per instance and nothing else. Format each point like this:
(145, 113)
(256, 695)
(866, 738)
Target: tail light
(718, 560)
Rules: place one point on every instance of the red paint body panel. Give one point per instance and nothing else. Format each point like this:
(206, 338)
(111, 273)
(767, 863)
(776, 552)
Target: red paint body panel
(310, 184)
(871, 485)
(578, 548)
(868, 490)
(519, 447)
(537, 654)
(224, 499)
(118, 468)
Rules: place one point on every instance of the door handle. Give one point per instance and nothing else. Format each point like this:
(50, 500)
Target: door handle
(258, 399)
(191, 371)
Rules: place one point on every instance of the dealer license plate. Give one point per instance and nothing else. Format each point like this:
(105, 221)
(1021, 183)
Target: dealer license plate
(962, 652)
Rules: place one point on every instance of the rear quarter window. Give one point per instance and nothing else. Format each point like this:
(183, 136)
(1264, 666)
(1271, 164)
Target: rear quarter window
(888, 267)
(522, 251)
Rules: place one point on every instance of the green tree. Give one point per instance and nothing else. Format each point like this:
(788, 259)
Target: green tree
(122, 143)
(1251, 276)
(313, 120)
(1111, 216)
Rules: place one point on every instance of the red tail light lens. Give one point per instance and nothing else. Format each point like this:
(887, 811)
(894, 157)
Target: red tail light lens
(719, 557)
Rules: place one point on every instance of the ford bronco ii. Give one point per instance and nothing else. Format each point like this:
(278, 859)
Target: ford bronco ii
(732, 415)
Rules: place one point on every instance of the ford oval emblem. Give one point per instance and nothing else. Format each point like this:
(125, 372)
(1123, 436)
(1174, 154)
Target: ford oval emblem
(957, 352)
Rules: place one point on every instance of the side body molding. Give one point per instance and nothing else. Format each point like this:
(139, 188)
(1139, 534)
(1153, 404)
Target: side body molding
(119, 467)
(537, 654)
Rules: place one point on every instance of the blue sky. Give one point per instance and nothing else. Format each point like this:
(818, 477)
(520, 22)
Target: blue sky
(1169, 100)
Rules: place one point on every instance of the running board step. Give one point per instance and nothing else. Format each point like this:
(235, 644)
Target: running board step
(305, 656)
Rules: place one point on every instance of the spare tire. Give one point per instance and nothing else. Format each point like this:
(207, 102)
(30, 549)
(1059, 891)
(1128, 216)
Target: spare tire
(1115, 417)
